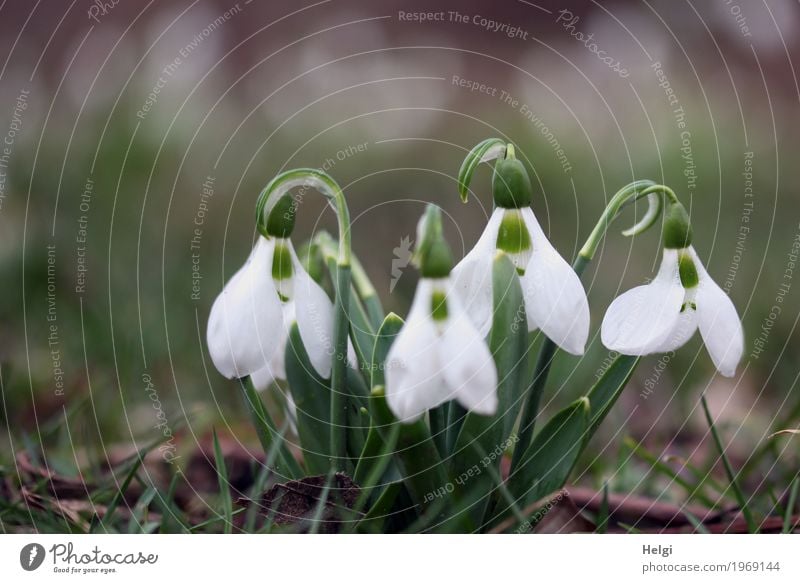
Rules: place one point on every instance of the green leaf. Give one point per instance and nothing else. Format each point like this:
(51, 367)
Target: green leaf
(312, 397)
(508, 342)
(267, 432)
(548, 461)
(422, 467)
(472, 161)
(387, 332)
(608, 388)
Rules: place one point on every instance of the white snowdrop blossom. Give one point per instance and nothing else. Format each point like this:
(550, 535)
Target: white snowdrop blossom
(439, 356)
(555, 300)
(664, 314)
(250, 320)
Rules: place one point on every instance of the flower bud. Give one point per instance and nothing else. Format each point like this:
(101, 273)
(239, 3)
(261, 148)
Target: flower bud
(677, 229)
(433, 253)
(511, 186)
(280, 222)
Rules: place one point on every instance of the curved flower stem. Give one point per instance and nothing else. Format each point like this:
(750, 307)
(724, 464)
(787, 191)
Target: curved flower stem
(305, 178)
(627, 194)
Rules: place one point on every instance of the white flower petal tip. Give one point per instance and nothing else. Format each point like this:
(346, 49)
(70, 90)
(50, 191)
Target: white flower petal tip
(555, 300)
(720, 327)
(434, 361)
(238, 335)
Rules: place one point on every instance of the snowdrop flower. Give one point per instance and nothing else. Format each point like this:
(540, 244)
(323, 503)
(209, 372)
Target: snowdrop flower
(250, 320)
(555, 301)
(663, 315)
(438, 355)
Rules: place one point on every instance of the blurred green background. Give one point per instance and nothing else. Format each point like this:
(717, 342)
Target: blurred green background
(149, 130)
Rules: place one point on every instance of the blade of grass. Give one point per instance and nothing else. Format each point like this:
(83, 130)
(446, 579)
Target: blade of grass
(787, 517)
(698, 526)
(602, 512)
(657, 464)
(224, 486)
(752, 527)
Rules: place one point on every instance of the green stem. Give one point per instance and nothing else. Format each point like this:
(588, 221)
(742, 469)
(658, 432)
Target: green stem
(752, 527)
(339, 371)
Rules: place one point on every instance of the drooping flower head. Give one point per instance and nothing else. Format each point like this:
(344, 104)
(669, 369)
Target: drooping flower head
(249, 322)
(555, 301)
(664, 314)
(438, 355)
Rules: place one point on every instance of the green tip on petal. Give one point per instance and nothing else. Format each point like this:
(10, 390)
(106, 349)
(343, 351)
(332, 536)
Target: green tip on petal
(280, 222)
(378, 391)
(281, 262)
(511, 186)
(513, 236)
(687, 271)
(677, 228)
(439, 305)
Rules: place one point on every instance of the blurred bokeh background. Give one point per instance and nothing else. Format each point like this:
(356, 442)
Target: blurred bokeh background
(137, 135)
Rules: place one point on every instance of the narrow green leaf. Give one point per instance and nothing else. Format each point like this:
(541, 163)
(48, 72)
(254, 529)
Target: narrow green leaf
(267, 432)
(787, 517)
(224, 486)
(471, 162)
(423, 470)
(752, 527)
(547, 463)
(602, 513)
(136, 524)
(387, 332)
(312, 397)
(609, 387)
(508, 342)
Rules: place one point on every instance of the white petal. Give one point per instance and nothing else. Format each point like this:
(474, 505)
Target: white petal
(639, 321)
(314, 312)
(472, 277)
(469, 368)
(276, 368)
(414, 379)
(555, 300)
(684, 328)
(241, 325)
(719, 323)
